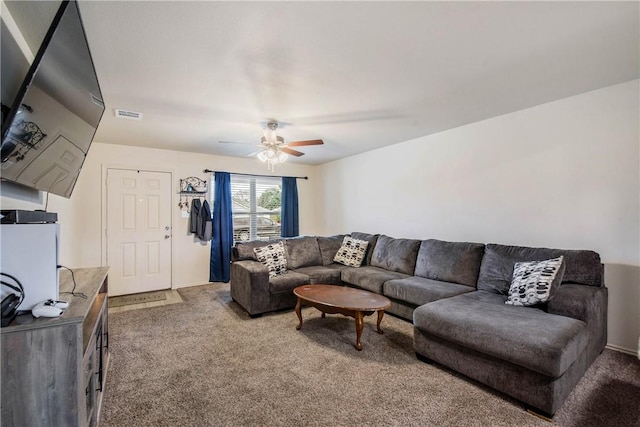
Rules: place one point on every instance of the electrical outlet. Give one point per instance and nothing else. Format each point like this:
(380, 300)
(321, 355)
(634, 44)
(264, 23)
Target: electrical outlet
(185, 214)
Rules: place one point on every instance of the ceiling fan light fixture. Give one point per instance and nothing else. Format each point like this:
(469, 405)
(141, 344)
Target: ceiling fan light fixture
(274, 150)
(272, 156)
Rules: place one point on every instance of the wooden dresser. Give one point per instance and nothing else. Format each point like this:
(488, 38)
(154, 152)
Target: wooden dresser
(54, 369)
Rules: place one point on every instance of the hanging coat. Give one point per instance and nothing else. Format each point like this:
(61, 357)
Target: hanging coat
(193, 217)
(205, 226)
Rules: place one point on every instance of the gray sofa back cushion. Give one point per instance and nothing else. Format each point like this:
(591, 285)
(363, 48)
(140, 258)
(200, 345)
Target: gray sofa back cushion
(329, 247)
(372, 239)
(456, 262)
(395, 254)
(244, 251)
(496, 271)
(302, 251)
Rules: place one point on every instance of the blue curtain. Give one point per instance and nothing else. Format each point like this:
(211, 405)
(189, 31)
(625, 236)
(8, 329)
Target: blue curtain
(289, 207)
(220, 264)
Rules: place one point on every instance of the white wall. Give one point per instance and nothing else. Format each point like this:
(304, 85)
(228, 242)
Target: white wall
(81, 216)
(563, 174)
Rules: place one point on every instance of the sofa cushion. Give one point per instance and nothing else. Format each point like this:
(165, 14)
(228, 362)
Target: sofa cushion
(302, 251)
(322, 274)
(457, 262)
(372, 239)
(329, 246)
(244, 251)
(287, 282)
(369, 278)
(397, 255)
(582, 266)
(352, 252)
(419, 290)
(273, 257)
(535, 282)
(525, 336)
(337, 266)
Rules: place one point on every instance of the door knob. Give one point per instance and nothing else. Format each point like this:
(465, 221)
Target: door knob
(167, 228)
(166, 236)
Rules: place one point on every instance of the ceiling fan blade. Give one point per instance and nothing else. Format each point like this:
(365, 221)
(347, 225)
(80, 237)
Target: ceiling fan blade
(292, 152)
(309, 142)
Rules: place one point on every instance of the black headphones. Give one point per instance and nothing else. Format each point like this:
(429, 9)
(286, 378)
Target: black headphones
(11, 302)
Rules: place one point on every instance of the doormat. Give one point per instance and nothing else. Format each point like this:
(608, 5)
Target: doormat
(137, 298)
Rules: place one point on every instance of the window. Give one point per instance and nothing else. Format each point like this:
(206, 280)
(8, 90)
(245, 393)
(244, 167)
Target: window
(255, 207)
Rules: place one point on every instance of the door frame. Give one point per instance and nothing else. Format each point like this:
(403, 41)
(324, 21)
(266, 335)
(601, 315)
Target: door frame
(103, 216)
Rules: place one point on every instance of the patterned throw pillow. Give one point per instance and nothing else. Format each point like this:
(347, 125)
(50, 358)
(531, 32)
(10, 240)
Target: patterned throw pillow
(272, 256)
(535, 282)
(351, 252)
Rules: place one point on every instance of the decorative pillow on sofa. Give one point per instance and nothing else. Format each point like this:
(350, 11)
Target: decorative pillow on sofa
(352, 252)
(369, 238)
(273, 257)
(535, 282)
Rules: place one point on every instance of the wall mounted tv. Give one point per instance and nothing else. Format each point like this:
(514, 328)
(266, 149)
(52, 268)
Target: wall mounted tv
(48, 130)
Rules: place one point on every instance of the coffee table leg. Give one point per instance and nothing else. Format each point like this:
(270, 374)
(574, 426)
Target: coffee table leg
(380, 314)
(359, 326)
(299, 313)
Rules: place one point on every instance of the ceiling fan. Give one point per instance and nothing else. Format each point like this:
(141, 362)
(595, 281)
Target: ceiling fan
(273, 149)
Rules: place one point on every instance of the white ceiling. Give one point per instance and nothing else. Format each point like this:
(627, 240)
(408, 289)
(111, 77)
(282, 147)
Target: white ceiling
(359, 75)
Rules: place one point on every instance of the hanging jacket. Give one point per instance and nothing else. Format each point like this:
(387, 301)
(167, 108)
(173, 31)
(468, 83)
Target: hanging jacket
(193, 217)
(205, 226)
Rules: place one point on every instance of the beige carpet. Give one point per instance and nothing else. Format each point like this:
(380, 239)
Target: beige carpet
(206, 363)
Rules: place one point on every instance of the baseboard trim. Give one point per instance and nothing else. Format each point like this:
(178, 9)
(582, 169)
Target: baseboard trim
(621, 349)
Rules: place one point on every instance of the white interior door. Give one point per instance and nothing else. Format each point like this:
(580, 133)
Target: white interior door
(138, 231)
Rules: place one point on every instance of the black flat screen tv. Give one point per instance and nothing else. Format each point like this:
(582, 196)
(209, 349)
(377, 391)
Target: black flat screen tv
(48, 130)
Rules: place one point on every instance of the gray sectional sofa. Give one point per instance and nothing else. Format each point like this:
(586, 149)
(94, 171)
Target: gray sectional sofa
(454, 293)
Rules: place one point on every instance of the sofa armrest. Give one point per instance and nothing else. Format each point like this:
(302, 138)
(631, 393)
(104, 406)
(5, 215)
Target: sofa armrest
(586, 303)
(578, 301)
(250, 285)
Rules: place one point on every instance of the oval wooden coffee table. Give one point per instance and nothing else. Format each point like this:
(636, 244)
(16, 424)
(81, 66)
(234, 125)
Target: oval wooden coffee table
(351, 302)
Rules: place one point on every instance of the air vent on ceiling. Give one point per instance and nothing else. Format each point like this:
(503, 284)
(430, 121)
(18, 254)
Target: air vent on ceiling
(125, 114)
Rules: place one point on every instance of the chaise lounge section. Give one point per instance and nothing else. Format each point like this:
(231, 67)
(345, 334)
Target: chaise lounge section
(454, 293)
(535, 354)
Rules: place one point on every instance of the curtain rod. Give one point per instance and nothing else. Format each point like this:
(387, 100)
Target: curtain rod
(253, 174)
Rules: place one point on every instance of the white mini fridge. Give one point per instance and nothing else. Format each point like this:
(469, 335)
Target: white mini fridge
(29, 252)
